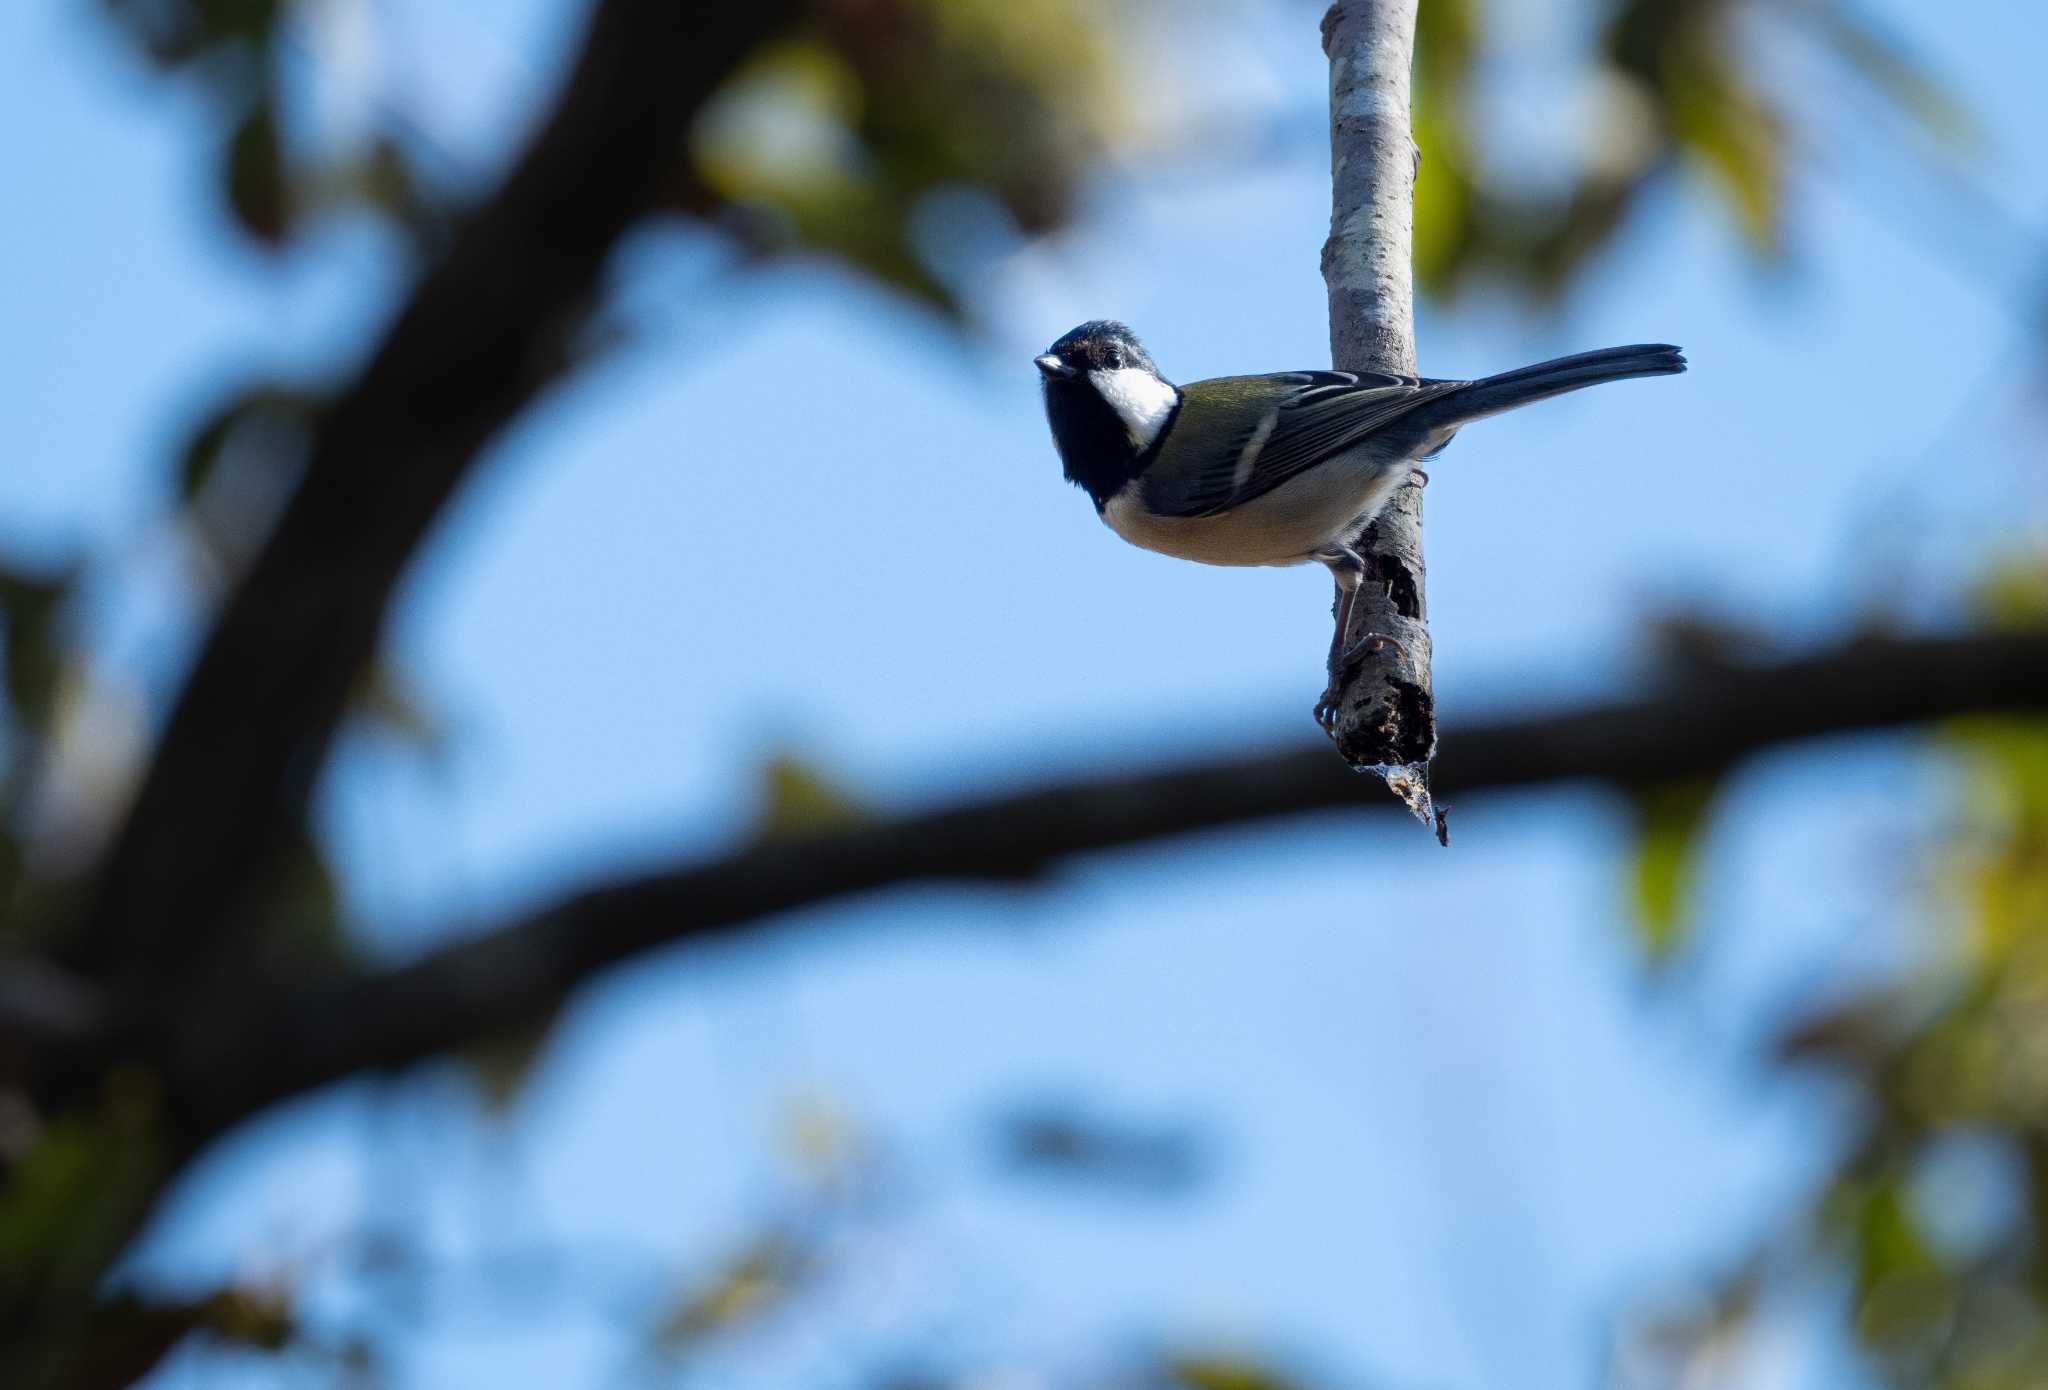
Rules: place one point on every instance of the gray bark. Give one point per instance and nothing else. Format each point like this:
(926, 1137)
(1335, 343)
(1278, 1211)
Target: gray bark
(1386, 710)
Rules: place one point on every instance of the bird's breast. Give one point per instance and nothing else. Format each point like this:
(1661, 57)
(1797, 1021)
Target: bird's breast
(1328, 504)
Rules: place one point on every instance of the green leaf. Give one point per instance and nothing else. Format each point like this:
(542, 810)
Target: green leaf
(384, 179)
(755, 1279)
(1903, 1292)
(797, 799)
(1225, 1371)
(252, 21)
(839, 140)
(1740, 140)
(1447, 42)
(31, 607)
(2012, 593)
(1889, 1240)
(1443, 198)
(69, 1199)
(258, 186)
(1670, 819)
(303, 920)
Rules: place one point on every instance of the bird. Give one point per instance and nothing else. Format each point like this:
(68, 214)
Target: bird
(1278, 469)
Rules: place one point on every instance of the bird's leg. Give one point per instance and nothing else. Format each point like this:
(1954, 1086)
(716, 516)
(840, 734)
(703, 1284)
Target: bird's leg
(1349, 571)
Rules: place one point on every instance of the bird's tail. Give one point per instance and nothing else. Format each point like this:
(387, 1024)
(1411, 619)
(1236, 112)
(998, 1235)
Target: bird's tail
(1491, 395)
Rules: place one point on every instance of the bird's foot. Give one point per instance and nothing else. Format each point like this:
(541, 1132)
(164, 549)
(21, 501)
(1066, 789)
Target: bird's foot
(1326, 708)
(1341, 669)
(1357, 651)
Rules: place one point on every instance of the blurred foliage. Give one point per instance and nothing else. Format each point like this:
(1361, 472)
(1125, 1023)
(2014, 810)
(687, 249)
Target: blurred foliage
(846, 133)
(134, 1333)
(758, 1277)
(1216, 1371)
(32, 605)
(232, 44)
(71, 1197)
(1694, 1344)
(844, 138)
(273, 178)
(1938, 1209)
(837, 1179)
(883, 130)
(1075, 1144)
(502, 1065)
(1677, 85)
(260, 426)
(1670, 819)
(1932, 1219)
(1150, 1368)
(798, 799)
(2012, 595)
(882, 133)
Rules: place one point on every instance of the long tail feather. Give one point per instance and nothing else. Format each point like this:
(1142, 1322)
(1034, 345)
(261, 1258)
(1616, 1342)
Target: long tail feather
(1491, 395)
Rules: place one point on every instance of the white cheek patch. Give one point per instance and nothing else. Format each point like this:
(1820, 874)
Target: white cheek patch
(1141, 400)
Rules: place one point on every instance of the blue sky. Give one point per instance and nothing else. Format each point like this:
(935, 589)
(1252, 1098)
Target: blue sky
(1456, 1128)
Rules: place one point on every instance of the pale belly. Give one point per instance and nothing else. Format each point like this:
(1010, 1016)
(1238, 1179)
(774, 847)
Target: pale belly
(1328, 505)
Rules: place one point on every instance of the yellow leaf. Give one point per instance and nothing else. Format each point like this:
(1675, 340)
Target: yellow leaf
(799, 800)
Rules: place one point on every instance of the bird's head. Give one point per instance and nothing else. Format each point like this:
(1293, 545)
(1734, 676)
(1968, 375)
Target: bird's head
(1100, 345)
(1107, 404)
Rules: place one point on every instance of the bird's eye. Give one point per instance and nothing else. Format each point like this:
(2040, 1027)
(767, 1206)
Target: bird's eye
(1115, 358)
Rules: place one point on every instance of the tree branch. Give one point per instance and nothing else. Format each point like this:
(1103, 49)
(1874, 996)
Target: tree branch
(487, 329)
(42, 1006)
(516, 976)
(253, 1041)
(1386, 713)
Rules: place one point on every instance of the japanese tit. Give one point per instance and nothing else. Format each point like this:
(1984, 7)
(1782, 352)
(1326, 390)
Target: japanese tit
(1273, 470)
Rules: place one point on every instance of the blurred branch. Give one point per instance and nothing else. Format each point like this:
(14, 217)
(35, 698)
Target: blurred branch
(254, 1038)
(490, 327)
(1385, 710)
(42, 1006)
(289, 1040)
(128, 1335)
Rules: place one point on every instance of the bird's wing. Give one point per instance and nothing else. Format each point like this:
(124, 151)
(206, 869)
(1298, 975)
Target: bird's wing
(1239, 437)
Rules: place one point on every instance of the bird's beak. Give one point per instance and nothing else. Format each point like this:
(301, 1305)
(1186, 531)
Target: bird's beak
(1054, 368)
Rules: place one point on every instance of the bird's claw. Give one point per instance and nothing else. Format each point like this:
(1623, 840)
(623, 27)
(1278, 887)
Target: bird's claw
(1326, 708)
(1371, 642)
(1340, 671)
